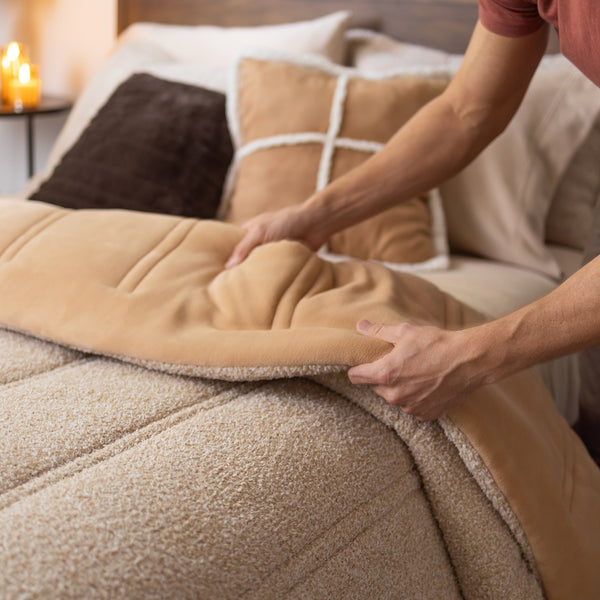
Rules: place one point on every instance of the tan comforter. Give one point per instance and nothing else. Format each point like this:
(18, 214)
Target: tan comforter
(186, 431)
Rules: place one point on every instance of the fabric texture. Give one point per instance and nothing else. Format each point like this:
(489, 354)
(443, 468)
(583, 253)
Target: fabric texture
(299, 124)
(588, 425)
(189, 487)
(156, 146)
(570, 217)
(251, 302)
(515, 17)
(372, 51)
(576, 22)
(177, 488)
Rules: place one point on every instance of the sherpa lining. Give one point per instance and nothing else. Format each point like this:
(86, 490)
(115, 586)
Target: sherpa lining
(168, 470)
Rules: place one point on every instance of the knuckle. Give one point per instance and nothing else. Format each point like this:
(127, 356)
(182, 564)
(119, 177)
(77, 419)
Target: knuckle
(405, 327)
(409, 410)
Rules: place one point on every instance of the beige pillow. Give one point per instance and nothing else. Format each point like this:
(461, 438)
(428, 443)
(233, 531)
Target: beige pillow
(372, 51)
(571, 212)
(297, 124)
(219, 46)
(497, 207)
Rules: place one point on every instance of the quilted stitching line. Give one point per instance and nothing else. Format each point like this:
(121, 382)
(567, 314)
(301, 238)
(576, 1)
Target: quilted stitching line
(127, 441)
(143, 267)
(75, 362)
(390, 508)
(30, 233)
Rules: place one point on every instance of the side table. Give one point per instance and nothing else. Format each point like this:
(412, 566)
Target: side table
(46, 106)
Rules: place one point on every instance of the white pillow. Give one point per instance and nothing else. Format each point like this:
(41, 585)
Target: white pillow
(196, 55)
(497, 206)
(218, 46)
(371, 51)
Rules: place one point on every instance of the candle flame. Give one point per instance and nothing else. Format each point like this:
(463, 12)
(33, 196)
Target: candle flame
(24, 73)
(13, 51)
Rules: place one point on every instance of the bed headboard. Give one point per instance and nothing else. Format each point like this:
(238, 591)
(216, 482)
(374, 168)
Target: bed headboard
(445, 24)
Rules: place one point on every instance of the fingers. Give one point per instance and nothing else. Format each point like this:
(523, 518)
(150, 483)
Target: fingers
(372, 373)
(367, 374)
(242, 250)
(377, 330)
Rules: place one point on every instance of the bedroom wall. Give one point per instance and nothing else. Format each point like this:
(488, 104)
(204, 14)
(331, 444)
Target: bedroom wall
(69, 39)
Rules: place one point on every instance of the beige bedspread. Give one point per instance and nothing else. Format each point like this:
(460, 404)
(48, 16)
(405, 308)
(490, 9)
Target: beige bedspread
(188, 431)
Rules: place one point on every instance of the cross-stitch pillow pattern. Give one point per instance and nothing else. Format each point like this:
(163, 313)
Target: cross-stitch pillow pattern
(298, 124)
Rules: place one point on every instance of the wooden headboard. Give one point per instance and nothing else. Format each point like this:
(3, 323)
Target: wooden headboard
(445, 24)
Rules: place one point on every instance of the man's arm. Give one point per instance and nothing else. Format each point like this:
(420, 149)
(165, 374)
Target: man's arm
(440, 140)
(430, 370)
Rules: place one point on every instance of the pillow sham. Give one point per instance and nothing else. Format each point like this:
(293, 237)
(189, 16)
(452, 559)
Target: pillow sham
(497, 207)
(218, 46)
(199, 55)
(372, 51)
(297, 124)
(156, 146)
(571, 212)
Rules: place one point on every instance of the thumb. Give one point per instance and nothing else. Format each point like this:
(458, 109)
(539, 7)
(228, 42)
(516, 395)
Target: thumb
(376, 330)
(240, 252)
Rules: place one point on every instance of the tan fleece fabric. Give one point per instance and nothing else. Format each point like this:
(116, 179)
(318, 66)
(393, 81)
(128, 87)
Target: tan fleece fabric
(142, 484)
(276, 102)
(168, 284)
(153, 288)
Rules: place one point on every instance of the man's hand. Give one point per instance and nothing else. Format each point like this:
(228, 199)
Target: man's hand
(426, 373)
(290, 223)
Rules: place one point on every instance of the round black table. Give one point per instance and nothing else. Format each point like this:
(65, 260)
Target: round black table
(47, 105)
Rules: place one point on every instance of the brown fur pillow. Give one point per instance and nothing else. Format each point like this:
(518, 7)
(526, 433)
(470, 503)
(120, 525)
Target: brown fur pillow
(155, 146)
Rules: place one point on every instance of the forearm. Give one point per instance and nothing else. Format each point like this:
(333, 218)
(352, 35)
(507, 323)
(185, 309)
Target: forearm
(441, 139)
(565, 321)
(434, 145)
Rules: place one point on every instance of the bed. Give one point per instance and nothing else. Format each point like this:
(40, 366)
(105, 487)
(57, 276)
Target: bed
(172, 428)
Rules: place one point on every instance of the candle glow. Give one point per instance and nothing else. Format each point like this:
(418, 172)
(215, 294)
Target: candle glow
(20, 83)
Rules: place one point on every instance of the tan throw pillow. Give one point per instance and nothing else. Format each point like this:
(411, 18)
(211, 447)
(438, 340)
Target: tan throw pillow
(298, 124)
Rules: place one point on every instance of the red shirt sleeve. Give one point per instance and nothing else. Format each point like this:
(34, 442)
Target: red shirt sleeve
(512, 18)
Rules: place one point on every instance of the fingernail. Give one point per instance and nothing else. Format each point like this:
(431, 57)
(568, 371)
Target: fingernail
(363, 325)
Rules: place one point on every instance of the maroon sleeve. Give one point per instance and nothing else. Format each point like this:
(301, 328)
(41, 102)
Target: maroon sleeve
(512, 18)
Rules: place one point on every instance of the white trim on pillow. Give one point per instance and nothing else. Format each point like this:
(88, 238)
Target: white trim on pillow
(335, 123)
(315, 62)
(330, 140)
(439, 262)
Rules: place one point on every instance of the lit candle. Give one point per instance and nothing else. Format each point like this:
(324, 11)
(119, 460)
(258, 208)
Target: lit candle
(11, 59)
(24, 90)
